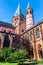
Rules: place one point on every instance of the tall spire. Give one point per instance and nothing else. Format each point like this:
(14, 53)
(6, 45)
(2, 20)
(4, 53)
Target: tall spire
(18, 11)
(28, 6)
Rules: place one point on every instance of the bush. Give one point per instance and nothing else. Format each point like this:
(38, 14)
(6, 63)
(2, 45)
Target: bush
(19, 55)
(5, 53)
(23, 54)
(12, 55)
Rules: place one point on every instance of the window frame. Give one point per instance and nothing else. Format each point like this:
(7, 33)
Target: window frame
(37, 33)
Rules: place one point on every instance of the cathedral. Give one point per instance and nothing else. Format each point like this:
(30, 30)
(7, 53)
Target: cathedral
(25, 28)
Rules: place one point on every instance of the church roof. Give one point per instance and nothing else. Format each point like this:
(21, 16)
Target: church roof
(28, 6)
(6, 24)
(18, 11)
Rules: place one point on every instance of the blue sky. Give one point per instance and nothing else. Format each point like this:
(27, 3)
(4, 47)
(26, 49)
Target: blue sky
(8, 8)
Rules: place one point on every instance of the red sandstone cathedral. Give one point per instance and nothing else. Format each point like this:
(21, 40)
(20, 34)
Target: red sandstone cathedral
(24, 26)
(19, 23)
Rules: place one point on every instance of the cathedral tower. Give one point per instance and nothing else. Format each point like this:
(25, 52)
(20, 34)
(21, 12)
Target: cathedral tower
(19, 21)
(29, 17)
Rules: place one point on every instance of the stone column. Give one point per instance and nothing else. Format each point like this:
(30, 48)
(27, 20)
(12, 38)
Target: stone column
(34, 52)
(42, 46)
(11, 40)
(41, 31)
(36, 55)
(2, 41)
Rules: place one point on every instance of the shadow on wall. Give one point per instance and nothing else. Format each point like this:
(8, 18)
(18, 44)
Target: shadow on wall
(6, 41)
(15, 41)
(29, 48)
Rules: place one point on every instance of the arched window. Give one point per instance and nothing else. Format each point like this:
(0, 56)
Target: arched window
(30, 35)
(22, 30)
(30, 12)
(27, 12)
(37, 33)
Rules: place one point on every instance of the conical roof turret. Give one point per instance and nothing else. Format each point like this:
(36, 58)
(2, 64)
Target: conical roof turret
(18, 11)
(28, 6)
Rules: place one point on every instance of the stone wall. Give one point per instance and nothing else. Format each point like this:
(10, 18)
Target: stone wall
(8, 40)
(34, 36)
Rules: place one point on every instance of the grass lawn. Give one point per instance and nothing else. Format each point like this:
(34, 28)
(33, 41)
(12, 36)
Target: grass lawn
(8, 63)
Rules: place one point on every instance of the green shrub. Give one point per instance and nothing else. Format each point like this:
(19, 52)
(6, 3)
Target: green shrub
(5, 53)
(19, 55)
(23, 54)
(12, 55)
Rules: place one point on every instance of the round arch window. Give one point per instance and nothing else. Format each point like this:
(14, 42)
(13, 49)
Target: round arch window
(30, 12)
(37, 33)
(27, 12)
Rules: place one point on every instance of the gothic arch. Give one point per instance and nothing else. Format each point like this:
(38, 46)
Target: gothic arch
(40, 51)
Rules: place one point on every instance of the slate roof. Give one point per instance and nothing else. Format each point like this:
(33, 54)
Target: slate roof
(28, 6)
(18, 11)
(6, 24)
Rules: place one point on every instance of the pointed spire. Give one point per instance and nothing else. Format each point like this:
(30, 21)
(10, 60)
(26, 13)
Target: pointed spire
(28, 6)
(18, 11)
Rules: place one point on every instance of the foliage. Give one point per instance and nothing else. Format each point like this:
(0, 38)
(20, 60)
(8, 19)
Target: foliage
(23, 54)
(5, 53)
(17, 56)
(12, 55)
(40, 61)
